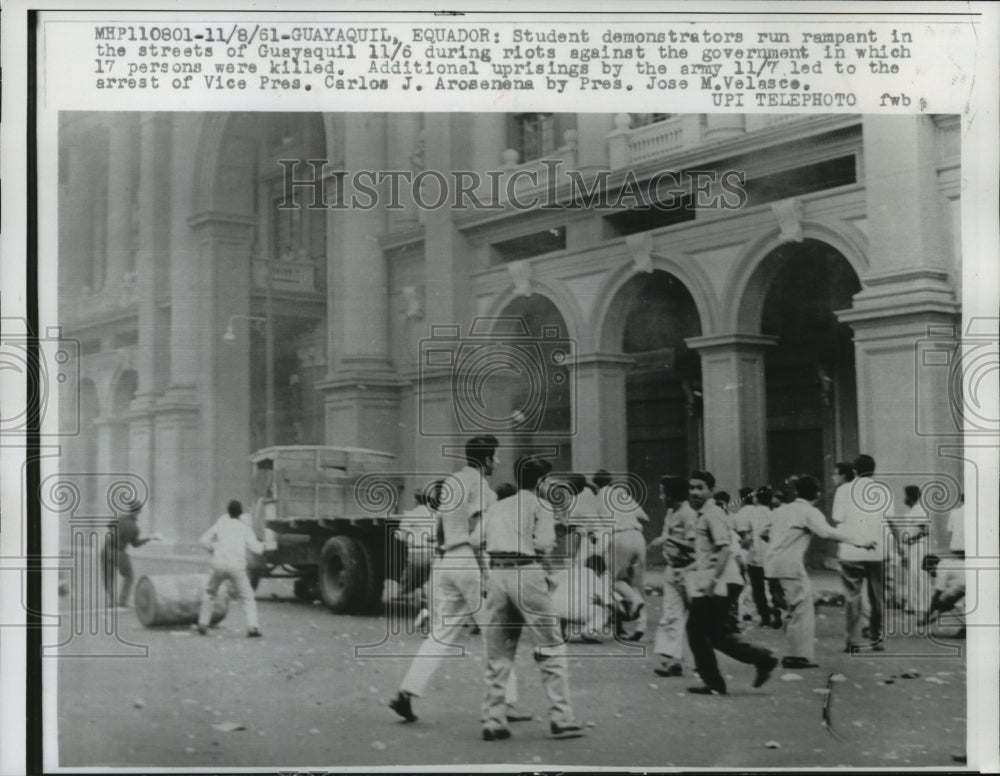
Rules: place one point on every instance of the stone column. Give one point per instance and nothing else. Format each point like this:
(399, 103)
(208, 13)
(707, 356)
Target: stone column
(908, 362)
(489, 141)
(598, 402)
(404, 151)
(734, 406)
(448, 301)
(123, 158)
(720, 126)
(179, 462)
(76, 255)
(592, 130)
(152, 261)
(361, 389)
(908, 215)
(223, 244)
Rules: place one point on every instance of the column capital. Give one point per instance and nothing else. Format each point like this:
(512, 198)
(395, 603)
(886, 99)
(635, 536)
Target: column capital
(734, 341)
(915, 292)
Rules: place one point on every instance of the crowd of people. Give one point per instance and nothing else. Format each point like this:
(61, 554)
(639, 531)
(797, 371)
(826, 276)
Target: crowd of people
(565, 558)
(517, 552)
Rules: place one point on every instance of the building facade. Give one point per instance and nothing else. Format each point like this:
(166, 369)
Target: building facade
(766, 317)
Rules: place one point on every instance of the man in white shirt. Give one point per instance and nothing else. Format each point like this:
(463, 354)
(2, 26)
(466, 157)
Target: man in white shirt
(519, 535)
(628, 561)
(228, 540)
(792, 527)
(457, 578)
(708, 622)
(860, 567)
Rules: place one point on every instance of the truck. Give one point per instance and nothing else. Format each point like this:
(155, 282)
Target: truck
(327, 517)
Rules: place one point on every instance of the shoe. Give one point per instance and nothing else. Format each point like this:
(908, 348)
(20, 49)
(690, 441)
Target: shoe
(254, 633)
(764, 671)
(776, 623)
(401, 705)
(637, 612)
(797, 662)
(669, 668)
(517, 714)
(566, 730)
(637, 636)
(704, 689)
(202, 630)
(495, 734)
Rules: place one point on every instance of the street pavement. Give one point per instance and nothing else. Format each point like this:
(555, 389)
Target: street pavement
(312, 694)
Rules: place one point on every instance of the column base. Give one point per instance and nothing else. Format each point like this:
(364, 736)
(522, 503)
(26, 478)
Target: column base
(362, 408)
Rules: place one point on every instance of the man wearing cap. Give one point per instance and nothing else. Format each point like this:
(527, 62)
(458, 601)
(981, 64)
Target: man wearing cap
(518, 536)
(458, 505)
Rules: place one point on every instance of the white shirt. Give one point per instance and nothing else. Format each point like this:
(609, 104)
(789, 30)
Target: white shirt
(522, 525)
(855, 521)
(617, 502)
(956, 527)
(229, 539)
(471, 496)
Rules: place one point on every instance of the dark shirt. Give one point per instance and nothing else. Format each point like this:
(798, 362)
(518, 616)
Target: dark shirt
(128, 533)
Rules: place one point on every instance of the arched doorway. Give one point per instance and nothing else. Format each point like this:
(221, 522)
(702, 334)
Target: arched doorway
(656, 313)
(527, 388)
(812, 415)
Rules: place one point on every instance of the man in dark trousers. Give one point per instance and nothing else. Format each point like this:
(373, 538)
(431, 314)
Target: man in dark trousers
(708, 620)
(114, 556)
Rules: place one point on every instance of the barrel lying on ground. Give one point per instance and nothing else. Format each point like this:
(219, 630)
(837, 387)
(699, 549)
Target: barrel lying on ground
(175, 599)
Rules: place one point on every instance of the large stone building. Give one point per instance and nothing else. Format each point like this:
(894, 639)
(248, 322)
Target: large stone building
(776, 336)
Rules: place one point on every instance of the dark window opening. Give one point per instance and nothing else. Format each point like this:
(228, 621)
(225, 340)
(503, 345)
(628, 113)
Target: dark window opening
(801, 180)
(529, 245)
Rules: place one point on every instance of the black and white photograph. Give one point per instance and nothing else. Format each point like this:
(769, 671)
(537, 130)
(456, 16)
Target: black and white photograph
(410, 437)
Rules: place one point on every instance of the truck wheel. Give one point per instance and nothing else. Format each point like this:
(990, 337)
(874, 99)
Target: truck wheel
(343, 574)
(305, 589)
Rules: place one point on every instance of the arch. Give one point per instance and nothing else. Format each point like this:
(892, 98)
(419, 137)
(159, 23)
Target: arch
(125, 386)
(752, 274)
(214, 153)
(559, 296)
(609, 318)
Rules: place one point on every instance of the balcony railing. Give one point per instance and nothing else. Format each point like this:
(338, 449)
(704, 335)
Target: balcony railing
(627, 146)
(286, 275)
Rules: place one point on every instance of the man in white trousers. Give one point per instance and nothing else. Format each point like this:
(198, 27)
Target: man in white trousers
(678, 550)
(456, 577)
(792, 527)
(228, 540)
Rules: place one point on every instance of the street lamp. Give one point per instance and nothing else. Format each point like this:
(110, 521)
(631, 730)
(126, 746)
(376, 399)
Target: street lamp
(267, 321)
